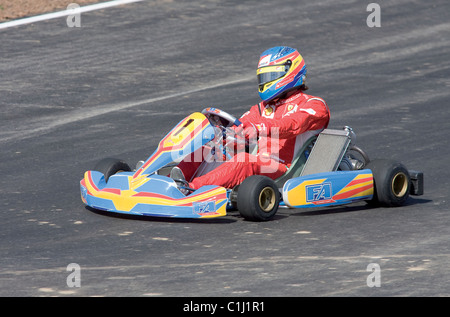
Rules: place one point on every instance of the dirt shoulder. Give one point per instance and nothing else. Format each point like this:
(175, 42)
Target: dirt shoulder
(14, 9)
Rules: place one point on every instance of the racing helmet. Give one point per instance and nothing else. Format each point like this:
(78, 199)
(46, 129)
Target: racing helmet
(280, 69)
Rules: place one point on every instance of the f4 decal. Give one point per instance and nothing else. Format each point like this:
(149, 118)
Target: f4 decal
(204, 208)
(319, 193)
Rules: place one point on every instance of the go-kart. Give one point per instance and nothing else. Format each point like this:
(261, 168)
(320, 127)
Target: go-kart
(329, 170)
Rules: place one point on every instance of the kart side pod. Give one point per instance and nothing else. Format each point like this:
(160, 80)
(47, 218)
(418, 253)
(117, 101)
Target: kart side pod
(383, 182)
(328, 189)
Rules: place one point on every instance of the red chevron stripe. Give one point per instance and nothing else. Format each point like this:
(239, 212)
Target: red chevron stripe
(352, 192)
(359, 181)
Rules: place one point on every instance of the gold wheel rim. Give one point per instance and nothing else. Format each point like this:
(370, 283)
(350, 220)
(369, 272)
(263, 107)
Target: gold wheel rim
(399, 184)
(267, 199)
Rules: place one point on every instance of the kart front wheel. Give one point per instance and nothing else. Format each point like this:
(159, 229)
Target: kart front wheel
(392, 182)
(258, 198)
(111, 166)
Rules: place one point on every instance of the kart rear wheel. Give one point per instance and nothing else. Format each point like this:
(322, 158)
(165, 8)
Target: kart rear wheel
(392, 182)
(111, 166)
(258, 198)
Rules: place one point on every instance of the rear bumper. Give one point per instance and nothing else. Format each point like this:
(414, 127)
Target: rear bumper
(417, 184)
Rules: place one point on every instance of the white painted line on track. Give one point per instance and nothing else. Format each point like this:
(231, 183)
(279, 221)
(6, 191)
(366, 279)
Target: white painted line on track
(54, 15)
(45, 125)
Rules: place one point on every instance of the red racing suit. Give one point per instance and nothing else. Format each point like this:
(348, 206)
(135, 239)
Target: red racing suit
(284, 124)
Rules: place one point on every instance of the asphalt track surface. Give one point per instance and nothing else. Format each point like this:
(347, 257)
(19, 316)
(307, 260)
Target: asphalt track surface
(117, 84)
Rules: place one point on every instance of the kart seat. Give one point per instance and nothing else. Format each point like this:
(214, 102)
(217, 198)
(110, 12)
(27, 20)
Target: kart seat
(319, 154)
(298, 163)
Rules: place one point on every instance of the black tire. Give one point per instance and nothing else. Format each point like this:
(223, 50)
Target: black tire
(111, 166)
(392, 183)
(258, 198)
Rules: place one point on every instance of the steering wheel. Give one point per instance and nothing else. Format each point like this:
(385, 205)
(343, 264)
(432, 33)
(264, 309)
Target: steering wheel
(220, 118)
(227, 140)
(225, 137)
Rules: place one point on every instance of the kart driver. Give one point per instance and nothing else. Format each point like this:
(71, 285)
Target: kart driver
(286, 117)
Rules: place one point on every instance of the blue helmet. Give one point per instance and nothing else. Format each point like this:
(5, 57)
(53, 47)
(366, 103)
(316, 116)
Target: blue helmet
(280, 68)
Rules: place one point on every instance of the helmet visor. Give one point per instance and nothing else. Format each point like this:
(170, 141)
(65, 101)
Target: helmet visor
(267, 74)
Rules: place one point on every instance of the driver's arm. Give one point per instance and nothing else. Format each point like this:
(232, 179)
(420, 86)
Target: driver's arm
(313, 115)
